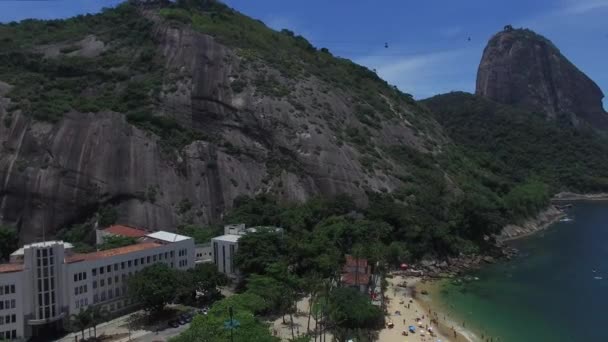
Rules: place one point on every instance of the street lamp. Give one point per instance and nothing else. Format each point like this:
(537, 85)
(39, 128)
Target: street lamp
(231, 324)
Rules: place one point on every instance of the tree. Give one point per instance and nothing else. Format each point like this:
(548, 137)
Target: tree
(81, 320)
(211, 327)
(259, 250)
(9, 241)
(97, 316)
(206, 280)
(351, 310)
(397, 253)
(153, 287)
(116, 241)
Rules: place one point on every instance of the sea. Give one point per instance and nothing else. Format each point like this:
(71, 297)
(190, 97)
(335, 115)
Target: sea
(556, 289)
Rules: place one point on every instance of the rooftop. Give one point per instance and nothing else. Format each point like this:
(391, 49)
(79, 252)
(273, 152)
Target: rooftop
(354, 262)
(111, 252)
(167, 236)
(228, 238)
(126, 231)
(355, 279)
(18, 252)
(8, 268)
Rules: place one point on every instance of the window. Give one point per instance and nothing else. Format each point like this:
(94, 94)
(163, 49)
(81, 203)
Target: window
(115, 279)
(148, 259)
(85, 287)
(129, 263)
(109, 268)
(136, 261)
(94, 284)
(101, 269)
(141, 261)
(102, 282)
(122, 265)
(94, 272)
(117, 292)
(110, 294)
(1, 320)
(75, 291)
(7, 289)
(110, 281)
(115, 267)
(2, 288)
(95, 298)
(84, 275)
(13, 334)
(13, 318)
(13, 289)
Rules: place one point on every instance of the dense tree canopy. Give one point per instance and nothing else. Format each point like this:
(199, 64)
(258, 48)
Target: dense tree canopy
(153, 287)
(9, 242)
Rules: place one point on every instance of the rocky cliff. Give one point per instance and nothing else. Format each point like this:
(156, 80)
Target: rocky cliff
(520, 67)
(165, 119)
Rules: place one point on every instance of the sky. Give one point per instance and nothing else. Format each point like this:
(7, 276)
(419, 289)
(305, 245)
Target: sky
(428, 47)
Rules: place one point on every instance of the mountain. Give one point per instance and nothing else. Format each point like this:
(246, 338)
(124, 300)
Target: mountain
(518, 144)
(161, 114)
(520, 67)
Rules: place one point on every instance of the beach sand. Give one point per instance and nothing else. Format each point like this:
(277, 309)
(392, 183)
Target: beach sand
(398, 298)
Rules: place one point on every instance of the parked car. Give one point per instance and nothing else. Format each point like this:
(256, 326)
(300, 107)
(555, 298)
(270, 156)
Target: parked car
(173, 324)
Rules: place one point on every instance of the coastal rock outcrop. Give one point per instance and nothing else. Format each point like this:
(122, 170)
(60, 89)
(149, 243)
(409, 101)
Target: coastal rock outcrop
(520, 67)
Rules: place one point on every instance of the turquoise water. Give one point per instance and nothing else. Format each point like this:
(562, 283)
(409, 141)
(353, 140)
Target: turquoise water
(548, 293)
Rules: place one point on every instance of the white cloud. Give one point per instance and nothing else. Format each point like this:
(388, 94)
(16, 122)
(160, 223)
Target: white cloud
(428, 74)
(450, 32)
(581, 6)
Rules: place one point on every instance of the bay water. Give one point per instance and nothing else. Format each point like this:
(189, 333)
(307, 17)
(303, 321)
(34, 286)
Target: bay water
(556, 289)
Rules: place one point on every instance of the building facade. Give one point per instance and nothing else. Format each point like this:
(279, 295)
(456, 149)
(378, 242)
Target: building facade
(45, 283)
(224, 247)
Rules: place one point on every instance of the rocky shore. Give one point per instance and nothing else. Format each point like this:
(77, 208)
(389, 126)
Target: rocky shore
(452, 267)
(570, 196)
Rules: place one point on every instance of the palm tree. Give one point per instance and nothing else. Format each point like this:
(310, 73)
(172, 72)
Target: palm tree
(98, 315)
(81, 321)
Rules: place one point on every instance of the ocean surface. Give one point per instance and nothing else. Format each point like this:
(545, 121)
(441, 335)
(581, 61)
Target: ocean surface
(555, 290)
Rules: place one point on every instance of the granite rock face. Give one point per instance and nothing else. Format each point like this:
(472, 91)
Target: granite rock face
(54, 175)
(520, 67)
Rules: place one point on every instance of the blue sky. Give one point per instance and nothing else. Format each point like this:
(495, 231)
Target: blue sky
(429, 51)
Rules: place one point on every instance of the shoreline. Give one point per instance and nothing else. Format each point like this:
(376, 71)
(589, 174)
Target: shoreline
(406, 306)
(571, 196)
(540, 222)
(446, 325)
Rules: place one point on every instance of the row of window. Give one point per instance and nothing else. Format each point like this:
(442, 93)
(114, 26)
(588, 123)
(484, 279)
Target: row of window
(182, 252)
(8, 304)
(101, 297)
(8, 335)
(8, 319)
(44, 252)
(83, 302)
(183, 263)
(80, 289)
(80, 276)
(7, 289)
(48, 298)
(134, 262)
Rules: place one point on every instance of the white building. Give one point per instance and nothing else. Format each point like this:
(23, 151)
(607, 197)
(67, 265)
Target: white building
(45, 283)
(226, 246)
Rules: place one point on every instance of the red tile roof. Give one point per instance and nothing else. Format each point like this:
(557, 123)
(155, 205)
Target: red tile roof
(354, 279)
(8, 268)
(111, 252)
(126, 231)
(354, 262)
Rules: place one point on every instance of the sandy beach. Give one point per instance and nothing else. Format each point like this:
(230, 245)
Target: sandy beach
(405, 308)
